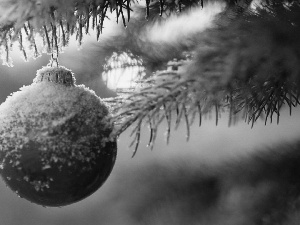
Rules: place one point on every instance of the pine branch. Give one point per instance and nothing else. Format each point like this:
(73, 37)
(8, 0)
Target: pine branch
(169, 93)
(248, 67)
(58, 19)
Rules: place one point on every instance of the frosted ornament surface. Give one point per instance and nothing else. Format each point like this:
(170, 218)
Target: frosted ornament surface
(55, 140)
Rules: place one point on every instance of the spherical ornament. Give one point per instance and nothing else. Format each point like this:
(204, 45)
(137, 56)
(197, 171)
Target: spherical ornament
(55, 147)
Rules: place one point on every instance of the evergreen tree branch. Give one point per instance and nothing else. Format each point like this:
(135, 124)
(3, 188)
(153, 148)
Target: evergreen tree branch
(247, 66)
(58, 19)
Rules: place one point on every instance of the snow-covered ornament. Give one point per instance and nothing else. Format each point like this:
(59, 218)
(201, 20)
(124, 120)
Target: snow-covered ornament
(55, 145)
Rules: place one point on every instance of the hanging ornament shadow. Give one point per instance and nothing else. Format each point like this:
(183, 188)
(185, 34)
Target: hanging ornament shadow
(55, 140)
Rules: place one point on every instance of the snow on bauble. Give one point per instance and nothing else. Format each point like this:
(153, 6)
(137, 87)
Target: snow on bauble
(54, 140)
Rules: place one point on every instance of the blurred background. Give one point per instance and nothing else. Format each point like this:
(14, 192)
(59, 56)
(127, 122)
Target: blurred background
(208, 144)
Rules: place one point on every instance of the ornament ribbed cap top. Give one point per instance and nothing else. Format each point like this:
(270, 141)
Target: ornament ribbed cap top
(59, 75)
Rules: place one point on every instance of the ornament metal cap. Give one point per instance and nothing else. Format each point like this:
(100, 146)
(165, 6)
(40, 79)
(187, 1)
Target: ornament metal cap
(60, 75)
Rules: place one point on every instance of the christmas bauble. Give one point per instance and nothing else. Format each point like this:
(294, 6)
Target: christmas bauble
(55, 147)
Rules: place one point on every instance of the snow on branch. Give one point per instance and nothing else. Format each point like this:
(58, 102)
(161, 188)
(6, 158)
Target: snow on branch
(56, 20)
(248, 67)
(173, 97)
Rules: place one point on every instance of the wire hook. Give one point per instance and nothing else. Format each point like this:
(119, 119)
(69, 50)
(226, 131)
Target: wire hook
(54, 59)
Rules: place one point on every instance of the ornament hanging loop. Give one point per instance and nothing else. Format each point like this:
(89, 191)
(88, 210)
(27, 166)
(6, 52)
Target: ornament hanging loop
(54, 59)
(55, 48)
